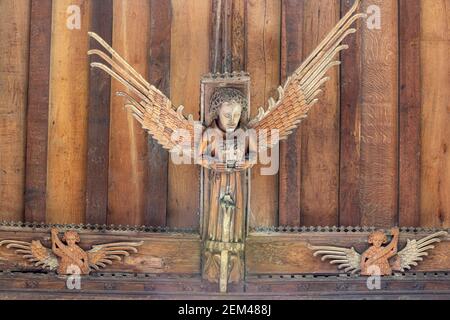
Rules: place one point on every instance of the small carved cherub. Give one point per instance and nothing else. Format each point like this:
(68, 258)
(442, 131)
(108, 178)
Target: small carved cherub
(376, 258)
(71, 255)
(67, 258)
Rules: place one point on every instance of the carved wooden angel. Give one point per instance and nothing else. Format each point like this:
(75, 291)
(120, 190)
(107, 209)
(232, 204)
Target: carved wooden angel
(378, 259)
(225, 147)
(69, 258)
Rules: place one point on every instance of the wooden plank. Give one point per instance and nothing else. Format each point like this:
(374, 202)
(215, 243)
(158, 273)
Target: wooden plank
(435, 165)
(263, 63)
(238, 21)
(67, 148)
(14, 51)
(350, 127)
(38, 108)
(98, 121)
(410, 112)
(128, 156)
(290, 150)
(288, 253)
(378, 130)
(159, 69)
(320, 132)
(189, 62)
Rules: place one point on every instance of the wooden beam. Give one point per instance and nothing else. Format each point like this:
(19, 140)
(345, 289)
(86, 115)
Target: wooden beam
(290, 150)
(98, 121)
(435, 135)
(410, 112)
(320, 131)
(38, 109)
(67, 135)
(159, 76)
(263, 63)
(128, 151)
(14, 51)
(189, 62)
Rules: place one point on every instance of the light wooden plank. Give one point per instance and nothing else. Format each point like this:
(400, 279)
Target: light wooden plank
(435, 155)
(14, 51)
(67, 135)
(128, 153)
(263, 64)
(189, 62)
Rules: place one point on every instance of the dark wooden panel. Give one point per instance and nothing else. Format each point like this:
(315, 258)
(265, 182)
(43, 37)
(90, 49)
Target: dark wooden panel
(98, 121)
(320, 131)
(410, 113)
(159, 76)
(37, 113)
(290, 150)
(350, 131)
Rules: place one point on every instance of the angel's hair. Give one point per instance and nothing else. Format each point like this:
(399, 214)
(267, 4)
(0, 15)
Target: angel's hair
(377, 234)
(227, 94)
(73, 234)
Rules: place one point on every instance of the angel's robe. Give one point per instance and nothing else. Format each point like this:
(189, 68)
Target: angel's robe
(224, 202)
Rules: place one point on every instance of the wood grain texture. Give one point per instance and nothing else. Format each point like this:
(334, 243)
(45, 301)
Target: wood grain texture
(263, 63)
(290, 150)
(350, 127)
(189, 62)
(409, 113)
(435, 156)
(128, 153)
(320, 131)
(67, 135)
(98, 121)
(377, 130)
(14, 50)
(238, 23)
(159, 76)
(38, 108)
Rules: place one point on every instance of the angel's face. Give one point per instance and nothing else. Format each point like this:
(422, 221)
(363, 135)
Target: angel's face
(378, 242)
(229, 116)
(71, 240)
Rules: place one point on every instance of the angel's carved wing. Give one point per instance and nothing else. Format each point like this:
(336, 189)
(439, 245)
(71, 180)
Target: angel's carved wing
(34, 252)
(102, 255)
(347, 259)
(416, 249)
(302, 88)
(149, 106)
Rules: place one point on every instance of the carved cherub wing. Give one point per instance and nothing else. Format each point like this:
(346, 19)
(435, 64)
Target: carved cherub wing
(149, 106)
(415, 250)
(347, 259)
(34, 252)
(101, 255)
(302, 88)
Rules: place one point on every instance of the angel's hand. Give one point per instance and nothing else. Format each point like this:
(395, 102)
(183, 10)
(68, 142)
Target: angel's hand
(218, 167)
(395, 231)
(54, 231)
(242, 166)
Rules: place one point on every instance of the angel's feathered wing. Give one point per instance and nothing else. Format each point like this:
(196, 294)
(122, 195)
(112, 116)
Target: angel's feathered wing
(302, 88)
(34, 252)
(415, 250)
(347, 259)
(102, 255)
(149, 106)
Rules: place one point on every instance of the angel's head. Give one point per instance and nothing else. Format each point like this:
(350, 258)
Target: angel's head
(227, 106)
(71, 238)
(377, 238)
